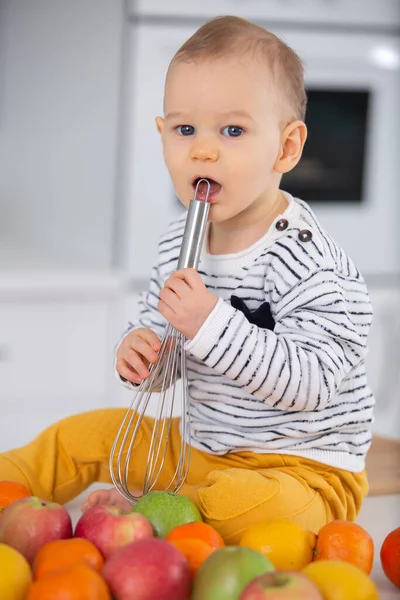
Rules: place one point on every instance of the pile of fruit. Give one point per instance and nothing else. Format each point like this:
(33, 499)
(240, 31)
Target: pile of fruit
(163, 550)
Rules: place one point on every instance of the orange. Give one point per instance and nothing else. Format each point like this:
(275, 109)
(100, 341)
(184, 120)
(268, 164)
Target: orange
(10, 491)
(195, 551)
(196, 541)
(72, 583)
(66, 553)
(390, 556)
(197, 530)
(339, 580)
(286, 544)
(344, 540)
(15, 574)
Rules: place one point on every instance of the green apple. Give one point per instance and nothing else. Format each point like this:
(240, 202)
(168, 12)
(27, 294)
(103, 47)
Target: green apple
(225, 574)
(165, 511)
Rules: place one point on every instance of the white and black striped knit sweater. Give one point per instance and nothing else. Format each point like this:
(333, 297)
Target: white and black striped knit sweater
(288, 377)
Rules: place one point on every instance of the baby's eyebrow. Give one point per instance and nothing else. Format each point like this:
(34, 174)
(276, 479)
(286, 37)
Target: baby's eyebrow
(229, 113)
(173, 115)
(237, 113)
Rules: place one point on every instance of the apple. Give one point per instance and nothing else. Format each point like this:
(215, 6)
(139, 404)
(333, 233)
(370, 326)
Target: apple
(148, 569)
(281, 585)
(166, 510)
(30, 523)
(109, 528)
(390, 556)
(227, 571)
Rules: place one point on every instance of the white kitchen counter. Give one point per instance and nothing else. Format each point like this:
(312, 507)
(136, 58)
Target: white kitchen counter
(48, 284)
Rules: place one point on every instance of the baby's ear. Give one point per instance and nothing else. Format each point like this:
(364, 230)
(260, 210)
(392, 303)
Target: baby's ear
(292, 143)
(159, 124)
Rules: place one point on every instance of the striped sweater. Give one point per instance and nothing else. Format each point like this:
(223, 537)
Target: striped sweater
(279, 365)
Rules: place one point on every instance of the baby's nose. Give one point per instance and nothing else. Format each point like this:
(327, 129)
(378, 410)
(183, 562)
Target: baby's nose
(204, 152)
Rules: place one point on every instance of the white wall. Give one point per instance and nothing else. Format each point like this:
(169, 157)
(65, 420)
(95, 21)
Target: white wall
(59, 98)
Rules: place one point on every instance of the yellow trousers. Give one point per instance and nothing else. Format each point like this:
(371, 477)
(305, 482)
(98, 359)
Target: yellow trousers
(232, 491)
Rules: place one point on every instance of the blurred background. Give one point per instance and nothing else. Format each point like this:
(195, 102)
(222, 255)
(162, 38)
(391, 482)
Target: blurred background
(84, 193)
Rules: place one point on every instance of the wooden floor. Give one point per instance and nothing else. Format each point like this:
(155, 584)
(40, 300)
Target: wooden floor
(383, 467)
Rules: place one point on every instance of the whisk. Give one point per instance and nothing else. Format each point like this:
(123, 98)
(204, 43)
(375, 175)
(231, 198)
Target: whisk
(164, 375)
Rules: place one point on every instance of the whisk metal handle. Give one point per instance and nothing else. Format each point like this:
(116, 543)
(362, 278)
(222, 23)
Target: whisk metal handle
(193, 236)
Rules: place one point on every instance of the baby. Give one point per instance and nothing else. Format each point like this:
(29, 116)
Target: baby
(276, 318)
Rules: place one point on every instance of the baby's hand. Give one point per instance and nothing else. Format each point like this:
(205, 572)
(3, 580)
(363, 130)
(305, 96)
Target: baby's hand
(110, 497)
(186, 302)
(136, 352)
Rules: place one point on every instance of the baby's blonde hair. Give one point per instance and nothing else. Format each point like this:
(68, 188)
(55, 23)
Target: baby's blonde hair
(224, 36)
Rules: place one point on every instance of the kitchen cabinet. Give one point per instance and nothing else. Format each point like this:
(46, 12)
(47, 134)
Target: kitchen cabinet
(57, 335)
(383, 358)
(59, 102)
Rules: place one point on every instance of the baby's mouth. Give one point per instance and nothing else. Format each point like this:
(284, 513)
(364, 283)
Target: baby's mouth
(202, 188)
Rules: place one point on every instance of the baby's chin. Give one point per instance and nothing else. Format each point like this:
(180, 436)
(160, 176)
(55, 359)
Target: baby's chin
(219, 213)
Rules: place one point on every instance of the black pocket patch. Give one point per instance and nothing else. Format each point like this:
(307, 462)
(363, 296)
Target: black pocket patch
(262, 316)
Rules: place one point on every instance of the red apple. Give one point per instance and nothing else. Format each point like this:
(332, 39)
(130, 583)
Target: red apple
(146, 570)
(109, 528)
(281, 585)
(30, 523)
(390, 556)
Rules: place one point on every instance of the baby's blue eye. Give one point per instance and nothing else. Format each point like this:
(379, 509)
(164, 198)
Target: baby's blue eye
(232, 131)
(185, 129)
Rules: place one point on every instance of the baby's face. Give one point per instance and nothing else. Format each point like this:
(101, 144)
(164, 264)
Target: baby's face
(221, 123)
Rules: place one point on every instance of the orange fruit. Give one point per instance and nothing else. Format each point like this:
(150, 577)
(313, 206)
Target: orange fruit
(195, 551)
(286, 544)
(10, 491)
(340, 580)
(72, 583)
(197, 530)
(344, 540)
(196, 541)
(390, 556)
(66, 553)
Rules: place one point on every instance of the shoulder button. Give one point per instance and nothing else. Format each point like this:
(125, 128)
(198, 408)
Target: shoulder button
(305, 235)
(282, 224)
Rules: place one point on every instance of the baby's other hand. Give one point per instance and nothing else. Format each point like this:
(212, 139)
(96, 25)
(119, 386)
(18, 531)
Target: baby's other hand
(110, 497)
(136, 352)
(185, 301)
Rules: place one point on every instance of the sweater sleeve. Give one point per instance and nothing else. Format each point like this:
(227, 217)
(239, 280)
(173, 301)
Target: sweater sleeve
(320, 334)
